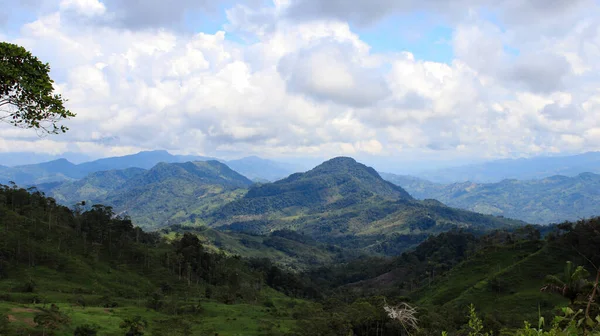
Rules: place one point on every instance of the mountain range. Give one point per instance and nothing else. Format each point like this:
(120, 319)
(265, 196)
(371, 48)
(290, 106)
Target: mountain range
(63, 170)
(340, 201)
(547, 200)
(543, 200)
(520, 169)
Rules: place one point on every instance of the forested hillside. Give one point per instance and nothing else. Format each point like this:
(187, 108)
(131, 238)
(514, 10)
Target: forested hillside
(549, 200)
(89, 272)
(62, 270)
(344, 202)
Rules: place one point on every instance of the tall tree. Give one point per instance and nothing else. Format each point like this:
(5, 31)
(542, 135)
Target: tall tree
(27, 97)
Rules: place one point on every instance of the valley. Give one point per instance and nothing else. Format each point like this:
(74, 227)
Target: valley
(314, 248)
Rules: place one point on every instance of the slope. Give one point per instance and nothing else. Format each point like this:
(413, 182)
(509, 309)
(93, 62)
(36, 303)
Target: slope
(344, 202)
(93, 267)
(169, 191)
(92, 188)
(548, 200)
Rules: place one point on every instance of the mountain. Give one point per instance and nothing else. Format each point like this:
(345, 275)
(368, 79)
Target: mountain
(169, 191)
(345, 202)
(51, 171)
(146, 160)
(93, 187)
(64, 170)
(520, 169)
(337, 182)
(260, 169)
(13, 159)
(548, 200)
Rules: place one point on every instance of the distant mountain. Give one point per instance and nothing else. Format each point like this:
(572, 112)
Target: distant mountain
(260, 169)
(93, 187)
(548, 200)
(12, 159)
(343, 199)
(63, 170)
(146, 160)
(521, 169)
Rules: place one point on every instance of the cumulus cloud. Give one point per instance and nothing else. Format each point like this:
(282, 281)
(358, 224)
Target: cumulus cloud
(332, 71)
(314, 87)
(364, 12)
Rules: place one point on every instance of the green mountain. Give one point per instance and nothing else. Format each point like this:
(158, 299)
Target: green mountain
(548, 200)
(93, 187)
(65, 272)
(62, 170)
(169, 191)
(344, 202)
(145, 159)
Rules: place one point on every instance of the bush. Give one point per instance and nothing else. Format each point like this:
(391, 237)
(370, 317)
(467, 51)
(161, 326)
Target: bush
(86, 330)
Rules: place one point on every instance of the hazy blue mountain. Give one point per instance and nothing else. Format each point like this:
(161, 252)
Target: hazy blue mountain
(12, 159)
(146, 160)
(51, 171)
(259, 169)
(64, 170)
(521, 169)
(548, 200)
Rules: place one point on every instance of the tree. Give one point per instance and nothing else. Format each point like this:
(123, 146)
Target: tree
(51, 319)
(5, 328)
(134, 326)
(27, 97)
(86, 330)
(573, 283)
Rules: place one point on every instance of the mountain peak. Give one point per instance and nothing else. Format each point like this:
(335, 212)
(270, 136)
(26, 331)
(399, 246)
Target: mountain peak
(345, 165)
(334, 180)
(340, 160)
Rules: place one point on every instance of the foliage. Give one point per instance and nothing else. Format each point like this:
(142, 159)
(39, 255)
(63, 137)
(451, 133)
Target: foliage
(573, 283)
(546, 200)
(134, 326)
(26, 92)
(86, 330)
(51, 319)
(5, 327)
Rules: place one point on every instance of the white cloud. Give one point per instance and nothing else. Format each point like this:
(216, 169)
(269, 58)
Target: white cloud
(315, 87)
(84, 7)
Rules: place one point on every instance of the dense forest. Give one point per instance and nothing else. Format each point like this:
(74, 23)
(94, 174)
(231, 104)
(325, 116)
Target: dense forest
(86, 271)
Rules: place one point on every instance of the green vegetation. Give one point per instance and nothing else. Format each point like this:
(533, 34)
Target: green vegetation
(27, 96)
(345, 203)
(547, 200)
(337, 251)
(63, 270)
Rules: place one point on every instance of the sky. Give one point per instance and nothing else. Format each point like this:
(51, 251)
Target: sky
(390, 81)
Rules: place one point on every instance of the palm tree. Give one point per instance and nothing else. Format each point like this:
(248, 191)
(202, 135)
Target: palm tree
(573, 283)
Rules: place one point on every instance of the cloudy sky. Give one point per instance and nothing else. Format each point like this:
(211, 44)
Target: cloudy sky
(380, 79)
